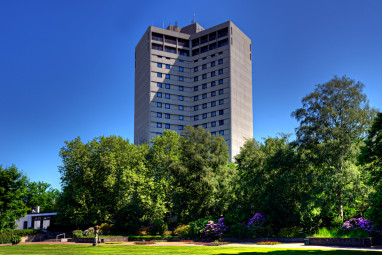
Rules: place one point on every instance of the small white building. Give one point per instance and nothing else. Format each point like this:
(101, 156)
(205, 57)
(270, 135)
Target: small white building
(36, 220)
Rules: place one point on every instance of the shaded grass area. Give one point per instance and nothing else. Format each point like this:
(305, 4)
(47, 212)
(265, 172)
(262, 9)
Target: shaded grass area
(44, 249)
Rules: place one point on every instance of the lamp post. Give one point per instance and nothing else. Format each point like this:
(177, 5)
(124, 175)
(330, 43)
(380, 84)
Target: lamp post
(96, 229)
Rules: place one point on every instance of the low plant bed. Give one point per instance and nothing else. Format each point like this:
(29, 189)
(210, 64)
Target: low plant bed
(268, 243)
(186, 241)
(113, 242)
(217, 243)
(144, 242)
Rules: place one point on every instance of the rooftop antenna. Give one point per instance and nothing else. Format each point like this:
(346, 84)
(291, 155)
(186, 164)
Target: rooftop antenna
(193, 20)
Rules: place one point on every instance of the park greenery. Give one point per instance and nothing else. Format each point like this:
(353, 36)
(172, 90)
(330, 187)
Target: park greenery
(327, 179)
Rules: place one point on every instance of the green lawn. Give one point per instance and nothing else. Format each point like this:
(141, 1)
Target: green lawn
(46, 249)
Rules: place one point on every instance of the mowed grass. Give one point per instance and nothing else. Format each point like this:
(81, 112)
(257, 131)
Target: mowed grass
(51, 249)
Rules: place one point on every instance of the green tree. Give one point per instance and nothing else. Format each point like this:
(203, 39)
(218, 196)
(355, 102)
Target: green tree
(333, 121)
(41, 194)
(371, 158)
(13, 186)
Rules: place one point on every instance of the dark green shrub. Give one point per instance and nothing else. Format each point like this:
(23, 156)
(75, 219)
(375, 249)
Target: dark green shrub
(24, 232)
(197, 227)
(5, 237)
(159, 227)
(15, 239)
(106, 229)
(291, 232)
(238, 230)
(182, 230)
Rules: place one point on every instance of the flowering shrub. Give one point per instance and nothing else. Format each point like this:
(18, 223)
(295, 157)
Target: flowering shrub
(215, 229)
(358, 223)
(268, 243)
(182, 230)
(256, 221)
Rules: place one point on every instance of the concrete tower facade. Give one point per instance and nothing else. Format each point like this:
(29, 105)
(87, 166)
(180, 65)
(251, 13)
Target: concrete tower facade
(197, 77)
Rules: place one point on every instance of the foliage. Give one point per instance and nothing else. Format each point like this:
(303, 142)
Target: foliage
(358, 223)
(167, 233)
(182, 230)
(238, 230)
(78, 233)
(16, 239)
(13, 186)
(215, 230)
(340, 233)
(296, 232)
(106, 229)
(89, 232)
(256, 221)
(159, 227)
(41, 194)
(6, 236)
(333, 121)
(197, 227)
(24, 232)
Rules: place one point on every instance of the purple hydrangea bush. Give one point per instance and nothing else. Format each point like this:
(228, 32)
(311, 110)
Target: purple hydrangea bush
(215, 230)
(256, 221)
(358, 223)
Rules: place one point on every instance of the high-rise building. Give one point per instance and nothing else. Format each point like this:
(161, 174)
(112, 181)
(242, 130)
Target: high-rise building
(194, 76)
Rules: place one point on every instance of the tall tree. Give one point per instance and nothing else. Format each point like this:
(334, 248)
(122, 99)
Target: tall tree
(333, 120)
(41, 194)
(371, 158)
(13, 186)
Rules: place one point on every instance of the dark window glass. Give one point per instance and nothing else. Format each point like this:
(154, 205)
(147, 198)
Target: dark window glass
(221, 91)
(181, 88)
(159, 85)
(221, 81)
(196, 78)
(221, 122)
(220, 61)
(213, 103)
(213, 83)
(167, 126)
(220, 71)
(167, 106)
(181, 98)
(168, 76)
(159, 125)
(181, 60)
(167, 96)
(196, 88)
(204, 115)
(195, 69)
(159, 94)
(159, 105)
(159, 75)
(205, 125)
(168, 86)
(204, 105)
(181, 69)
(204, 66)
(181, 108)
(159, 115)
(213, 133)
(196, 98)
(167, 116)
(204, 96)
(213, 93)
(213, 64)
(204, 86)
(180, 78)
(181, 117)
(167, 66)
(196, 107)
(213, 74)
(213, 124)
(181, 127)
(204, 76)
(160, 134)
(221, 132)
(196, 117)
(213, 114)
(221, 112)
(221, 101)
(159, 65)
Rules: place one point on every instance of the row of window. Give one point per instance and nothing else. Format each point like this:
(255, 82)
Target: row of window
(196, 107)
(196, 117)
(204, 76)
(196, 98)
(180, 127)
(168, 86)
(159, 65)
(196, 88)
(212, 64)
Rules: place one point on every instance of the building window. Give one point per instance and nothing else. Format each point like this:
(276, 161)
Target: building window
(213, 133)
(221, 132)
(167, 116)
(221, 91)
(181, 108)
(159, 75)
(196, 88)
(167, 96)
(195, 69)
(168, 76)
(204, 96)
(168, 86)
(159, 115)
(220, 71)
(212, 63)
(181, 60)
(196, 117)
(204, 86)
(213, 93)
(181, 69)
(167, 66)
(204, 76)
(159, 105)
(159, 94)
(180, 78)
(205, 125)
(220, 61)
(213, 74)
(159, 85)
(221, 101)
(196, 78)
(204, 105)
(221, 112)
(181, 88)
(213, 103)
(204, 115)
(196, 107)
(167, 126)
(160, 134)
(221, 81)
(181, 117)
(159, 125)
(213, 83)
(213, 114)
(196, 98)
(159, 65)
(213, 124)
(180, 127)
(167, 106)
(221, 122)
(181, 98)
(204, 66)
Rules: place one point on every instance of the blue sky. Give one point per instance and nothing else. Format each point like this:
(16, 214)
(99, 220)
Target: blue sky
(67, 67)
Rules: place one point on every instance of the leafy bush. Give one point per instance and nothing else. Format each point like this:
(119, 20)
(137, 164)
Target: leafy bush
(182, 230)
(341, 233)
(5, 237)
(295, 232)
(167, 233)
(358, 223)
(238, 230)
(106, 229)
(255, 226)
(89, 231)
(15, 239)
(197, 227)
(78, 233)
(159, 227)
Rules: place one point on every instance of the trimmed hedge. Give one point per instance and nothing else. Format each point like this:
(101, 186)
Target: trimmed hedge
(6, 237)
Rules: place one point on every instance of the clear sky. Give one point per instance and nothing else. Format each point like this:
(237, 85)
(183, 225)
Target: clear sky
(67, 67)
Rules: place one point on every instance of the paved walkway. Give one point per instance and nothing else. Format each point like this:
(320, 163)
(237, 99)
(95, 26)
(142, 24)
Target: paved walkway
(242, 244)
